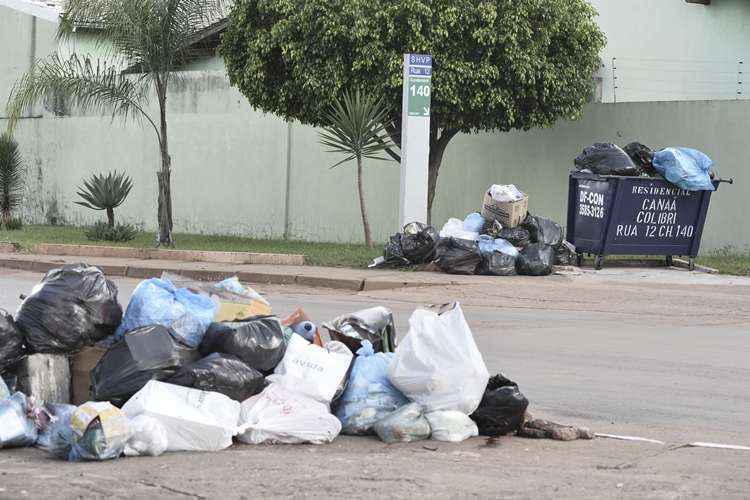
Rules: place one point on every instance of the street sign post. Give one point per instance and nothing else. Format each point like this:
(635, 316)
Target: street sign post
(415, 138)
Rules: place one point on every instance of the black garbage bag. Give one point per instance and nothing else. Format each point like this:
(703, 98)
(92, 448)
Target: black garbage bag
(222, 373)
(606, 159)
(455, 256)
(148, 353)
(418, 242)
(565, 254)
(258, 341)
(535, 260)
(393, 253)
(497, 264)
(542, 230)
(641, 155)
(72, 307)
(12, 349)
(517, 236)
(502, 408)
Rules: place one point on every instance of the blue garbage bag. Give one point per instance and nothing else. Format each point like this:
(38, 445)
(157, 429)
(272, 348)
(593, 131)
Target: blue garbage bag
(369, 395)
(474, 222)
(17, 429)
(158, 302)
(488, 245)
(686, 168)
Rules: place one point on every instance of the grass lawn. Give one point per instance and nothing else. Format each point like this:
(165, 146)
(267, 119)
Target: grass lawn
(317, 254)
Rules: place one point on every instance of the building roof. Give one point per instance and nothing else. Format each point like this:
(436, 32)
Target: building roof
(48, 10)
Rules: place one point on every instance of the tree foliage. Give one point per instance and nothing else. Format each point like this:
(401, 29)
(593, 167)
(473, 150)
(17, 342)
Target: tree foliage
(105, 192)
(11, 178)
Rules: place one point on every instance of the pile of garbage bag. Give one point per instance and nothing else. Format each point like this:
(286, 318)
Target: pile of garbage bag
(686, 168)
(258, 379)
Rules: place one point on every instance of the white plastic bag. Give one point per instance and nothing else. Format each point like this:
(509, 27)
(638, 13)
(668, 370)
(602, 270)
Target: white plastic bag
(505, 193)
(451, 426)
(281, 415)
(454, 228)
(438, 364)
(311, 370)
(194, 420)
(148, 438)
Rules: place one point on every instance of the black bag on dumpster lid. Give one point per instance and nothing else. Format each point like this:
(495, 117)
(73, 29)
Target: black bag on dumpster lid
(455, 256)
(535, 260)
(12, 349)
(148, 353)
(258, 341)
(72, 307)
(606, 159)
(542, 230)
(223, 373)
(502, 408)
(418, 242)
(497, 264)
(641, 155)
(517, 236)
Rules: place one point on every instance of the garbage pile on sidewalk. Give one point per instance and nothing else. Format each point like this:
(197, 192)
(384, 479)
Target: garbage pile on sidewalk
(503, 240)
(686, 168)
(193, 366)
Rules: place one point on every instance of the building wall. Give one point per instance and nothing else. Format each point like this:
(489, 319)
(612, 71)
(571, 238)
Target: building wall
(231, 166)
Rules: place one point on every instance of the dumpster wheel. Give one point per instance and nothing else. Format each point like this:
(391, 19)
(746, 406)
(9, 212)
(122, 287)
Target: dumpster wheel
(579, 259)
(598, 262)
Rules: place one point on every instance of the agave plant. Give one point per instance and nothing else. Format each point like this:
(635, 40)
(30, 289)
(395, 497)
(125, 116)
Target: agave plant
(11, 179)
(108, 192)
(356, 127)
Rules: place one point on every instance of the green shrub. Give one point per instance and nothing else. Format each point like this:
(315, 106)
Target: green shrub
(14, 224)
(101, 231)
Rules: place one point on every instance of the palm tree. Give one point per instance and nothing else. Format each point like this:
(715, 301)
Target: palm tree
(11, 179)
(105, 193)
(154, 37)
(357, 128)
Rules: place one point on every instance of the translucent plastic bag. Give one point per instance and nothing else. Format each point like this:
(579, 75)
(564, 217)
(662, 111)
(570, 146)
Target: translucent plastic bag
(438, 364)
(454, 228)
(17, 429)
(313, 371)
(404, 425)
(369, 395)
(282, 415)
(158, 302)
(686, 168)
(451, 426)
(474, 223)
(147, 439)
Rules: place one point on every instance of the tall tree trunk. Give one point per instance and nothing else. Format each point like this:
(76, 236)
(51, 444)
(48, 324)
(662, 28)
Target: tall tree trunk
(361, 193)
(111, 217)
(437, 148)
(164, 175)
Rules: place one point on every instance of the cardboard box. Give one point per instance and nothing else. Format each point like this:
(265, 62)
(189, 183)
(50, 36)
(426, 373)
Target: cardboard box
(509, 214)
(81, 365)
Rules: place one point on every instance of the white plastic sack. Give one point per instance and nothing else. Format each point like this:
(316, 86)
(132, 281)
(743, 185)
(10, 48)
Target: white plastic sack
(194, 420)
(281, 415)
(454, 228)
(148, 438)
(505, 193)
(311, 370)
(451, 426)
(438, 364)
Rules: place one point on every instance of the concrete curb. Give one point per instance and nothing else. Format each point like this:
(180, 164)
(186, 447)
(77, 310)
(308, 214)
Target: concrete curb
(163, 254)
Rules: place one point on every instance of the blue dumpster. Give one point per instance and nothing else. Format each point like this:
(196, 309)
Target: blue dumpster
(612, 215)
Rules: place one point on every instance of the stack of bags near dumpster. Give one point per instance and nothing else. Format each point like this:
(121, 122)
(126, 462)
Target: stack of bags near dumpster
(195, 366)
(504, 239)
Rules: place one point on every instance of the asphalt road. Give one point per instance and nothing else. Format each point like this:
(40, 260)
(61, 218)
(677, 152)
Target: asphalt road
(635, 353)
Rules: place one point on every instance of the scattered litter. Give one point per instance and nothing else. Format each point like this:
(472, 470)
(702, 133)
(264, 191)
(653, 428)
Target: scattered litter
(314, 371)
(194, 420)
(502, 408)
(148, 353)
(628, 438)
(369, 395)
(719, 446)
(282, 415)
(259, 342)
(544, 429)
(451, 426)
(438, 364)
(148, 438)
(222, 373)
(374, 324)
(73, 306)
(159, 302)
(404, 425)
